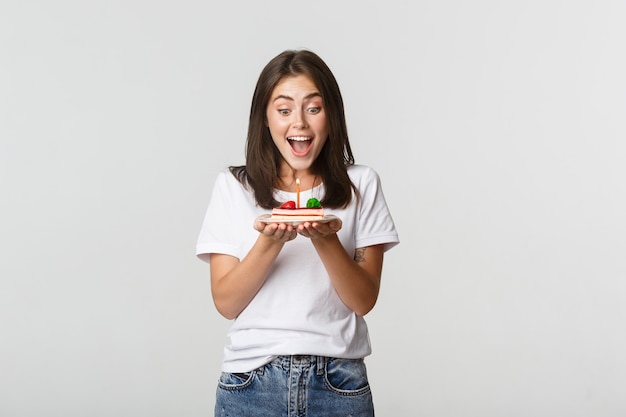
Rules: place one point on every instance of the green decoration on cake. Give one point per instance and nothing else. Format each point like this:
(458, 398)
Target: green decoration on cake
(313, 203)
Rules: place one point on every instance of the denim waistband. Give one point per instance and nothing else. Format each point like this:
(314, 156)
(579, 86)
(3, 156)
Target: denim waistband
(300, 361)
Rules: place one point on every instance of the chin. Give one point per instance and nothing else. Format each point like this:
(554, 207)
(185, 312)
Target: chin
(297, 163)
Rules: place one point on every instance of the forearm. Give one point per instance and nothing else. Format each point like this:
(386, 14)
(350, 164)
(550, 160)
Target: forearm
(234, 283)
(356, 284)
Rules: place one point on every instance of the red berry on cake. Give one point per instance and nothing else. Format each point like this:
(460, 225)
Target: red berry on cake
(288, 205)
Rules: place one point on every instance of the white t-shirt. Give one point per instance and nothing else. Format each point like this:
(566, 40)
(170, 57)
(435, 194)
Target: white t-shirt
(297, 311)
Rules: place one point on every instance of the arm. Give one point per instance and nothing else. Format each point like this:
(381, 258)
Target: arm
(357, 280)
(234, 283)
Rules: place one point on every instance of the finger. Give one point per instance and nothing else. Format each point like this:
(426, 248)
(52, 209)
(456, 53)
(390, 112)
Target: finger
(270, 229)
(258, 224)
(310, 230)
(284, 231)
(335, 225)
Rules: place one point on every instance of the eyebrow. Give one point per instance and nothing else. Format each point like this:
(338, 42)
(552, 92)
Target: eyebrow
(310, 96)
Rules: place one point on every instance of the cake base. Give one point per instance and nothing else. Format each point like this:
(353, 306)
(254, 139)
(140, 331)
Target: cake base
(301, 214)
(266, 218)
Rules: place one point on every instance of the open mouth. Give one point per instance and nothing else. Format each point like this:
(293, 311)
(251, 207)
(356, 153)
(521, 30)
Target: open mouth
(300, 144)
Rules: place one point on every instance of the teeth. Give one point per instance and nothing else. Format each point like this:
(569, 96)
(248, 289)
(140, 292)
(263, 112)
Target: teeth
(299, 138)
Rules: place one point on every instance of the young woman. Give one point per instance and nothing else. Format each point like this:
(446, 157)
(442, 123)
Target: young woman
(297, 294)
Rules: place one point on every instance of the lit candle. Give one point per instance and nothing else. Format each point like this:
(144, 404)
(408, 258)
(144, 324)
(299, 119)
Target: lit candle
(297, 192)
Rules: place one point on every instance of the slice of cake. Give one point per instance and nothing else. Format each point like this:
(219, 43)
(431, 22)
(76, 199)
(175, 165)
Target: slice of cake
(289, 212)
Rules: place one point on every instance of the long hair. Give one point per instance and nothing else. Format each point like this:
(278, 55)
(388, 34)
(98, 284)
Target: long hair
(263, 159)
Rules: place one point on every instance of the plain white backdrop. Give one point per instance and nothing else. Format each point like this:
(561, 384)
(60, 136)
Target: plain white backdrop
(497, 129)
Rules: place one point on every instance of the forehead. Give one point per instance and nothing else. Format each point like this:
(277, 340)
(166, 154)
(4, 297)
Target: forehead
(295, 86)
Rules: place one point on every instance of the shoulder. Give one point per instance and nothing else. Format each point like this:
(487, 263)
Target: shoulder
(362, 175)
(228, 176)
(227, 183)
(361, 171)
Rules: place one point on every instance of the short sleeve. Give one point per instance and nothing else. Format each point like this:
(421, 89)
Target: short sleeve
(216, 235)
(375, 223)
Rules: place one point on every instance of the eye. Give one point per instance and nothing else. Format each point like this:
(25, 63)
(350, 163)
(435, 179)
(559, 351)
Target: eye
(284, 112)
(314, 110)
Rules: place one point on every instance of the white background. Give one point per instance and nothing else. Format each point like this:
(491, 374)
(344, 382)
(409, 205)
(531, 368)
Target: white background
(498, 131)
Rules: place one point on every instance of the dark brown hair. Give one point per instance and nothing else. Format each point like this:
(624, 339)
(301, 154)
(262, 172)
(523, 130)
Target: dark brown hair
(262, 156)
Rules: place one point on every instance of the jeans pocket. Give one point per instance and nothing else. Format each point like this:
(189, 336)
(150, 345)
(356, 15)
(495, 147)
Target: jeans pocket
(235, 381)
(347, 376)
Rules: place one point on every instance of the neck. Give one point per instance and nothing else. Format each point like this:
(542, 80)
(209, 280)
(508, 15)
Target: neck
(288, 182)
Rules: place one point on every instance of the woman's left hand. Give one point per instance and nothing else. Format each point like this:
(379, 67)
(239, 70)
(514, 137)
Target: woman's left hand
(316, 230)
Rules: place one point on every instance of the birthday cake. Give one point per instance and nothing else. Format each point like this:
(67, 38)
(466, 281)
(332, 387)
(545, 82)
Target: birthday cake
(290, 212)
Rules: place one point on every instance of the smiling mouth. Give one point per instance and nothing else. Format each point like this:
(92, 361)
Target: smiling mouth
(300, 144)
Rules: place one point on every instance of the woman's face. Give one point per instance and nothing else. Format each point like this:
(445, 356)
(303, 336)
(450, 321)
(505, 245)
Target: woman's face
(297, 121)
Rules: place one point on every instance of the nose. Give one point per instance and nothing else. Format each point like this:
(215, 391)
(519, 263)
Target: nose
(299, 121)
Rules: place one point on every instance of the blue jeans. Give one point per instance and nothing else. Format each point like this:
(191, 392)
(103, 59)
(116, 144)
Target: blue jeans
(297, 386)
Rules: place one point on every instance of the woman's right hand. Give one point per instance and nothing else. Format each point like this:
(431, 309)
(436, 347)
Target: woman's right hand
(280, 232)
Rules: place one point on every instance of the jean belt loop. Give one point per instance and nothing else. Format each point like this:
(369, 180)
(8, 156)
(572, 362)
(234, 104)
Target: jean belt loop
(321, 365)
